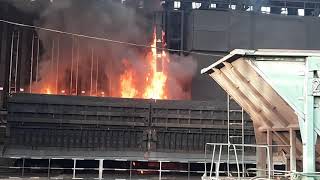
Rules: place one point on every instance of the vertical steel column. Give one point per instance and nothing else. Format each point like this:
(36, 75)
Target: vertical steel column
(77, 66)
(261, 156)
(71, 69)
(182, 32)
(5, 37)
(17, 63)
(269, 142)
(228, 131)
(160, 173)
(109, 74)
(130, 169)
(91, 73)
(74, 169)
(11, 62)
(97, 76)
(293, 158)
(52, 57)
(242, 142)
(23, 162)
(57, 65)
(49, 167)
(309, 156)
(159, 39)
(100, 169)
(38, 54)
(188, 170)
(31, 64)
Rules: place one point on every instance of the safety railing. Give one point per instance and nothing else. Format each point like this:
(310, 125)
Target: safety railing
(234, 147)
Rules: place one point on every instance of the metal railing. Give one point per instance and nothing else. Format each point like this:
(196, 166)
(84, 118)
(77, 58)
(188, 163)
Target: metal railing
(217, 168)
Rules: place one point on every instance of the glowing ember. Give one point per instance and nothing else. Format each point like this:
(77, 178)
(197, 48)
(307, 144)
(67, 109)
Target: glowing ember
(46, 91)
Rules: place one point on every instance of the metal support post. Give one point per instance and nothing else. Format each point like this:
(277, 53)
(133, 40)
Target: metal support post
(182, 32)
(38, 54)
(130, 169)
(269, 142)
(242, 142)
(91, 72)
(71, 68)
(261, 152)
(57, 65)
(74, 169)
(31, 64)
(188, 170)
(100, 169)
(77, 65)
(17, 64)
(228, 134)
(309, 156)
(49, 167)
(293, 158)
(160, 170)
(97, 75)
(23, 162)
(11, 61)
(52, 58)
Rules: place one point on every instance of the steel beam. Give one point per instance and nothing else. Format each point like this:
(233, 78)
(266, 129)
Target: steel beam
(232, 89)
(293, 157)
(308, 135)
(100, 169)
(269, 142)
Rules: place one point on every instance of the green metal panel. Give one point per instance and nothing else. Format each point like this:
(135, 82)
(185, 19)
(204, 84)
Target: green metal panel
(295, 77)
(287, 79)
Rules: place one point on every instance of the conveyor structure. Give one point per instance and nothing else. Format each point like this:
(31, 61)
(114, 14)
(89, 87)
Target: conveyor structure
(280, 91)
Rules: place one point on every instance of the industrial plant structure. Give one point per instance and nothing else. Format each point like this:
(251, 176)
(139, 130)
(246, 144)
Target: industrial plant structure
(113, 89)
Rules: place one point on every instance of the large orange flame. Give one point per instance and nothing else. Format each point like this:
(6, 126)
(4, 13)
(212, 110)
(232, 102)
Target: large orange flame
(149, 84)
(127, 82)
(155, 81)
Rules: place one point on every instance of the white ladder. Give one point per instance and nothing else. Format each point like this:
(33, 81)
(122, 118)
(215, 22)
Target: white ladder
(232, 124)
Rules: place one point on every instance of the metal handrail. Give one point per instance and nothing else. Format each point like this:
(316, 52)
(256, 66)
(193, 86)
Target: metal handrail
(236, 158)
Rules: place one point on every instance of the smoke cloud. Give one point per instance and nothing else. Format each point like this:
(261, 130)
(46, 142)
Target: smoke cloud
(78, 65)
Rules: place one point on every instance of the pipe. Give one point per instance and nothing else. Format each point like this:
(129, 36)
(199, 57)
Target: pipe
(71, 69)
(77, 66)
(212, 161)
(38, 54)
(31, 64)
(97, 75)
(11, 59)
(228, 131)
(17, 59)
(218, 165)
(52, 56)
(57, 67)
(91, 72)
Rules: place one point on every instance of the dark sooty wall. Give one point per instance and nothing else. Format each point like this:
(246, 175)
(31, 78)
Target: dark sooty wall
(221, 31)
(62, 125)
